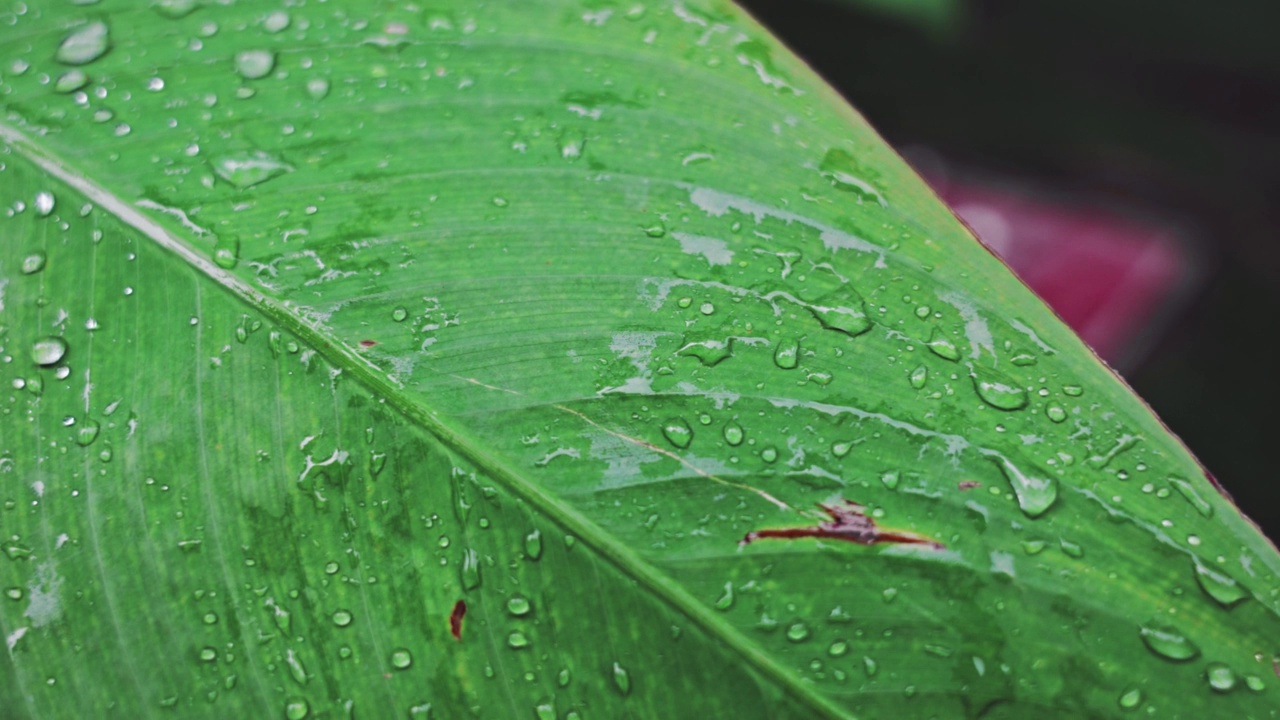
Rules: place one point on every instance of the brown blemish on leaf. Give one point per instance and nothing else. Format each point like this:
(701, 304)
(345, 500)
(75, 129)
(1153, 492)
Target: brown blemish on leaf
(455, 619)
(969, 484)
(368, 343)
(849, 523)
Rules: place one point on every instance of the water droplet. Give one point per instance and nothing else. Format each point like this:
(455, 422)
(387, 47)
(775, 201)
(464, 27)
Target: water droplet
(1073, 390)
(725, 600)
(276, 21)
(210, 618)
(621, 679)
(890, 479)
(13, 593)
(1055, 413)
(678, 432)
(87, 433)
(470, 571)
(838, 648)
(71, 81)
(919, 377)
(1130, 698)
(842, 170)
(518, 606)
(517, 640)
(208, 654)
(247, 169)
(999, 391)
(840, 449)
(175, 9)
(563, 678)
(798, 632)
(545, 711)
(869, 666)
(533, 545)
(787, 354)
(1070, 549)
(255, 64)
(226, 252)
(399, 314)
(48, 350)
(942, 346)
(341, 618)
(708, 352)
(1165, 640)
(1035, 495)
(331, 568)
(1220, 586)
(33, 263)
(318, 88)
(847, 314)
(1221, 678)
(296, 709)
(1188, 491)
(733, 433)
(401, 659)
(297, 670)
(656, 230)
(1255, 683)
(44, 203)
(85, 44)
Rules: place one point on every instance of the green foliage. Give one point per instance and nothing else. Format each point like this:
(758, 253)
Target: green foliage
(605, 323)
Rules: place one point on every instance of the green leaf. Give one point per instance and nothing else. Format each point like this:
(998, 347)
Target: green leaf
(556, 361)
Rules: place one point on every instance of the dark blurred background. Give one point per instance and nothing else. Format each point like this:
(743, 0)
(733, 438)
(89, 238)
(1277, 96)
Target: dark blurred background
(1140, 138)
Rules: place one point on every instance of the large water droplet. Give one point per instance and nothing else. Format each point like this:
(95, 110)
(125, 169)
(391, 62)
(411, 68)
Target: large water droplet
(87, 433)
(318, 88)
(998, 391)
(798, 632)
(1035, 495)
(470, 571)
(845, 312)
(621, 679)
(942, 346)
(708, 352)
(247, 169)
(1130, 699)
(255, 64)
(48, 350)
(1167, 642)
(71, 81)
(85, 44)
(44, 203)
(1193, 496)
(787, 354)
(296, 709)
(517, 640)
(733, 433)
(519, 606)
(226, 252)
(1218, 585)
(1055, 413)
(533, 545)
(342, 618)
(919, 377)
(175, 9)
(1221, 677)
(677, 432)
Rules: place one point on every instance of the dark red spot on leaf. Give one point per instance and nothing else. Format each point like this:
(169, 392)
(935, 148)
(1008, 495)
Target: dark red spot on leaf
(368, 343)
(849, 523)
(455, 619)
(969, 484)
(1218, 486)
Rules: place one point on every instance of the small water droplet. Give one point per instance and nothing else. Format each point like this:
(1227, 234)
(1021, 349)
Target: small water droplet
(533, 545)
(564, 677)
(621, 679)
(733, 433)
(399, 314)
(226, 252)
(208, 654)
(175, 9)
(516, 640)
(1130, 699)
(1254, 683)
(1073, 390)
(71, 81)
(318, 88)
(13, 593)
(1070, 549)
(470, 571)
(210, 618)
(48, 350)
(919, 377)
(1035, 495)
(247, 169)
(255, 64)
(998, 391)
(401, 659)
(545, 711)
(1167, 642)
(942, 346)
(87, 433)
(769, 454)
(297, 670)
(1055, 413)
(296, 709)
(331, 568)
(890, 479)
(519, 606)
(1221, 677)
(677, 432)
(787, 354)
(798, 632)
(85, 44)
(725, 600)
(33, 263)
(870, 666)
(275, 21)
(341, 618)
(44, 203)
(838, 648)
(840, 449)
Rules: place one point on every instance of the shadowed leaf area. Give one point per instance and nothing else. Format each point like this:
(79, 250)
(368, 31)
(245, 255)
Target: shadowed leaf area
(557, 361)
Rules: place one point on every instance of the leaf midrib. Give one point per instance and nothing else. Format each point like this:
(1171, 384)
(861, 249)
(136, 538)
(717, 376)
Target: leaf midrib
(349, 360)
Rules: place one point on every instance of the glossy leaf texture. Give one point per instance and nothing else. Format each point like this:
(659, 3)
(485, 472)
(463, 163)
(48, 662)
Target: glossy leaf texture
(552, 360)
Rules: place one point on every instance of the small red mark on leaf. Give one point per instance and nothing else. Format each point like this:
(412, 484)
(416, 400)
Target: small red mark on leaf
(1218, 486)
(969, 484)
(455, 619)
(368, 343)
(1275, 667)
(849, 523)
